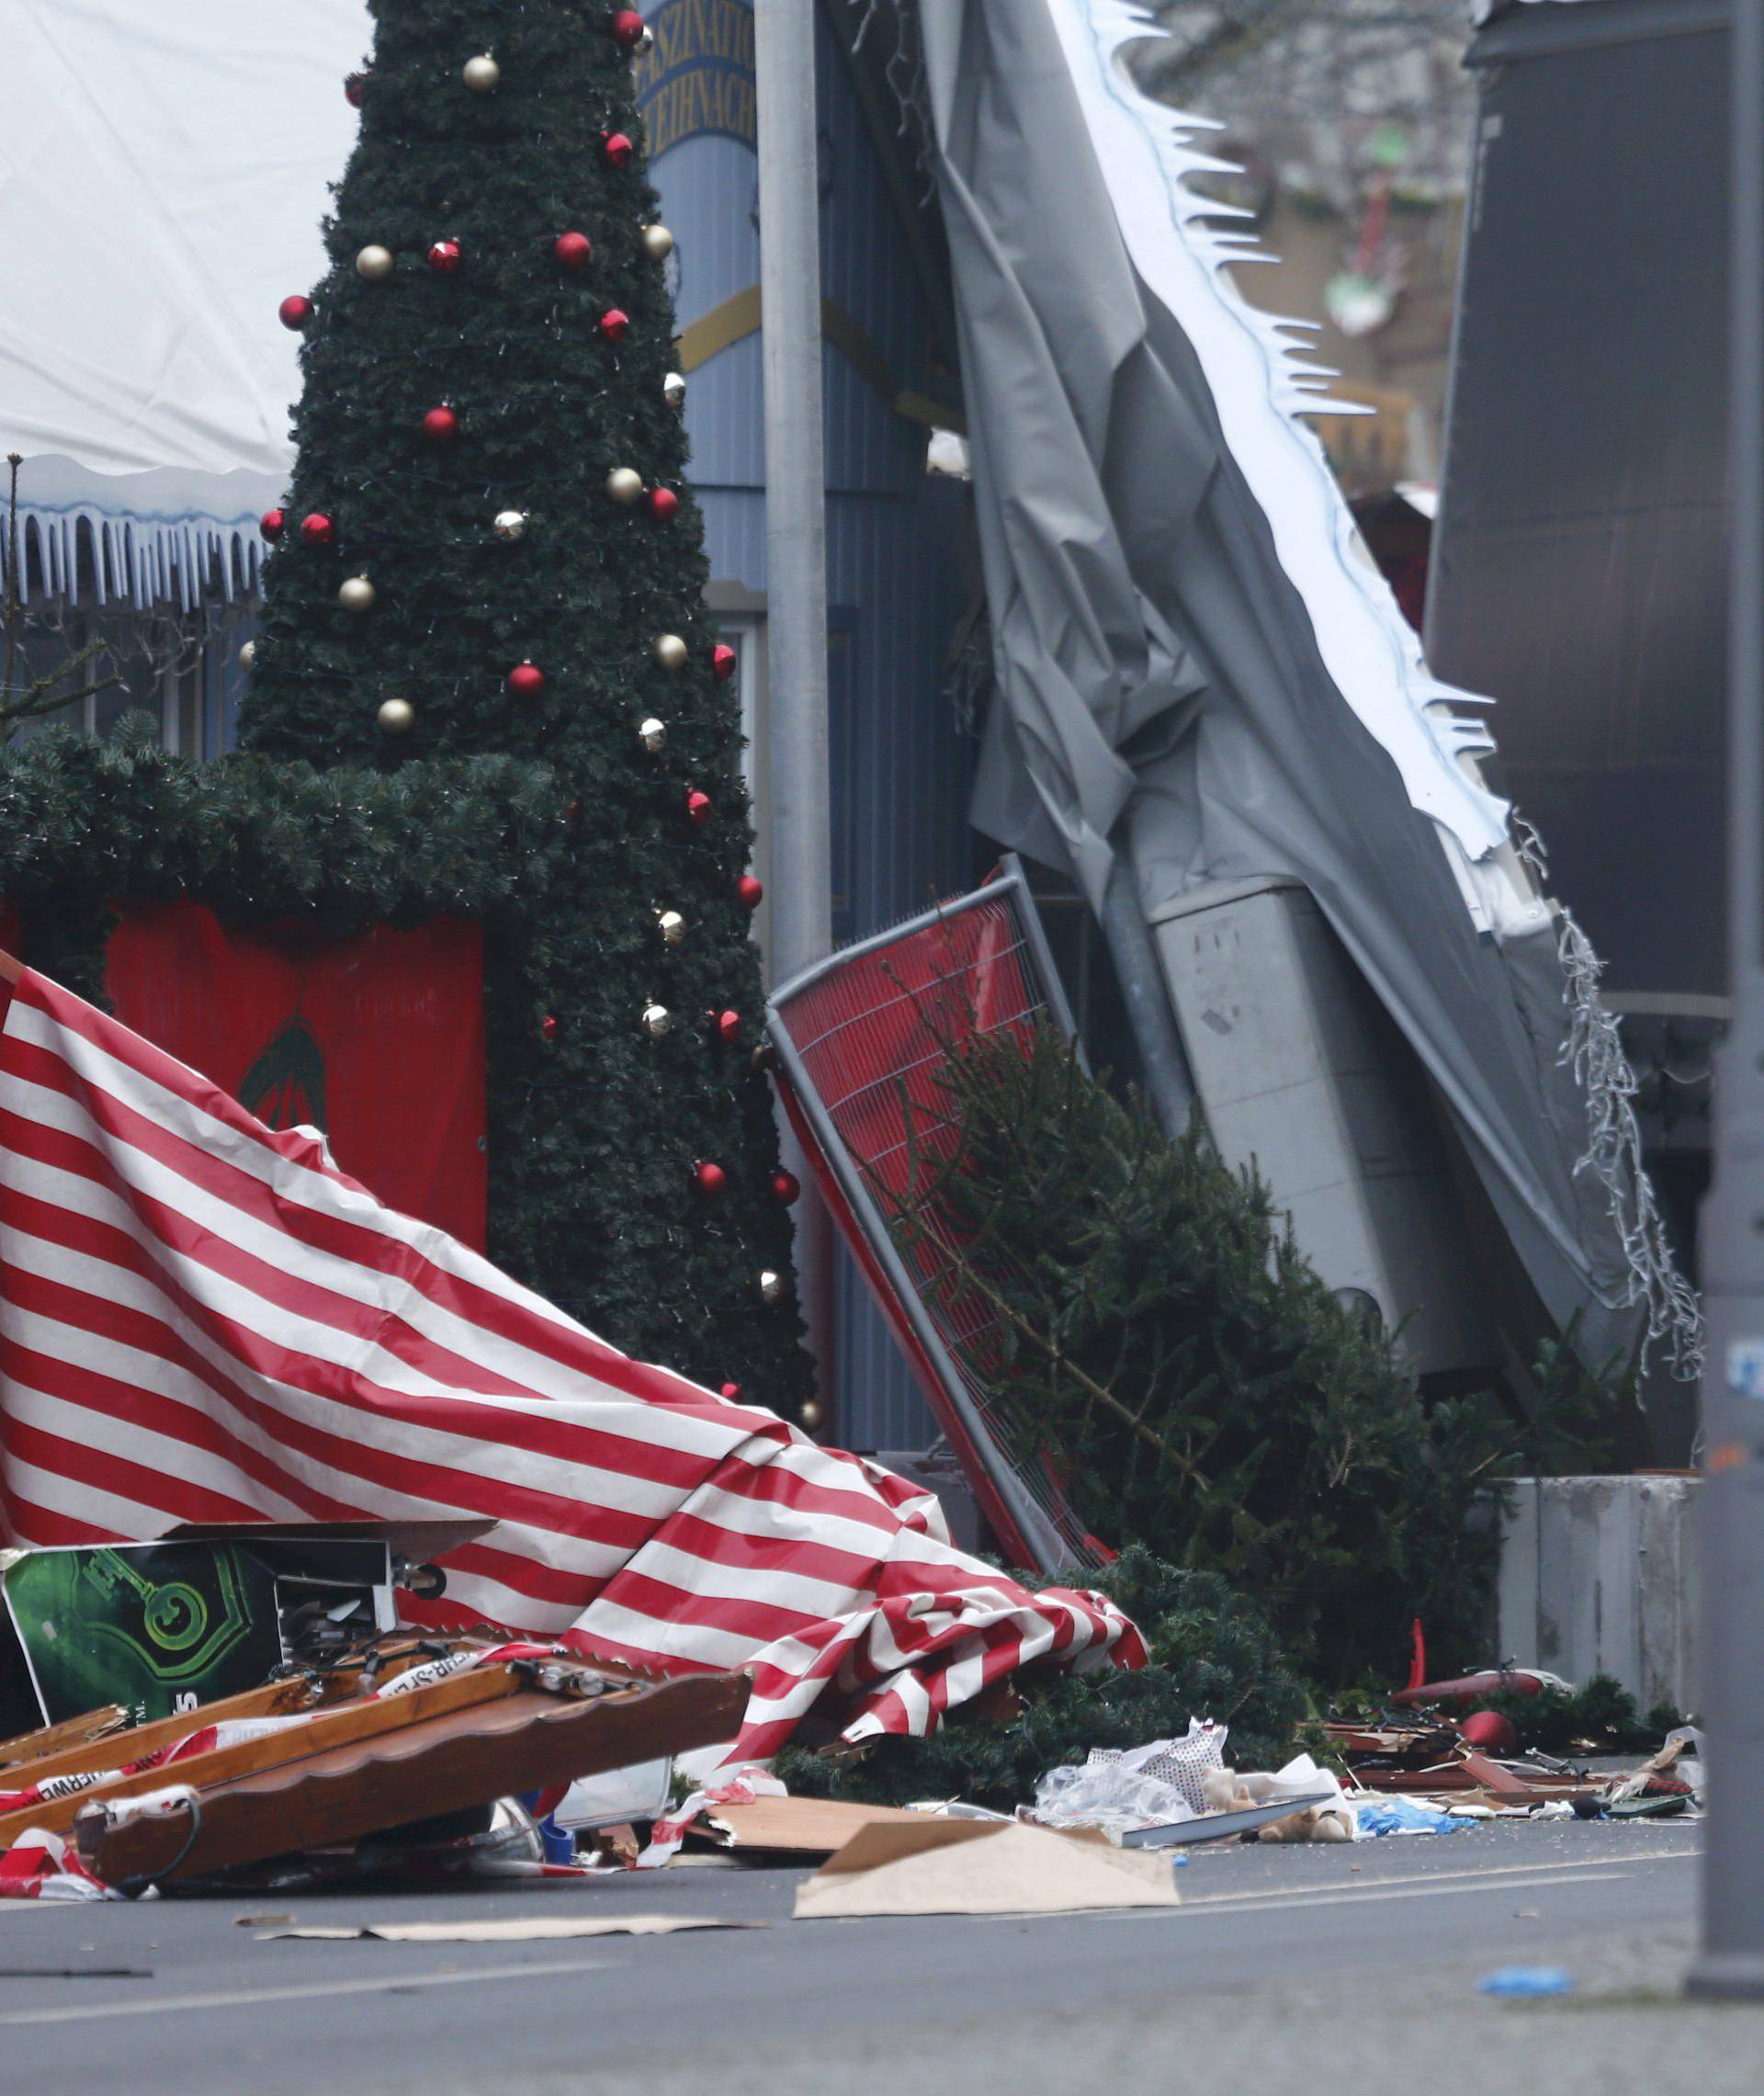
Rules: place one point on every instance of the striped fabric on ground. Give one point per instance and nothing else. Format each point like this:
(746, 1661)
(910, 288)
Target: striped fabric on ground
(202, 1319)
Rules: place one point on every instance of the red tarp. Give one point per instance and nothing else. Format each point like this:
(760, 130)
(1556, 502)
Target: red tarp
(378, 1040)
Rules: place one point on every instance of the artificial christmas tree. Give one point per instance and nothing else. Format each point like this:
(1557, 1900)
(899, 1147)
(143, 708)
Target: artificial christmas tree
(494, 555)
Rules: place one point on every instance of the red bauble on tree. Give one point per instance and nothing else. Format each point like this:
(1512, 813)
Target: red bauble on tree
(548, 1028)
(733, 1391)
(612, 325)
(626, 27)
(663, 504)
(786, 1186)
(697, 809)
(749, 893)
(711, 1178)
(317, 529)
(616, 149)
(723, 660)
(295, 311)
(446, 257)
(272, 523)
(726, 1026)
(441, 425)
(572, 250)
(526, 680)
(354, 88)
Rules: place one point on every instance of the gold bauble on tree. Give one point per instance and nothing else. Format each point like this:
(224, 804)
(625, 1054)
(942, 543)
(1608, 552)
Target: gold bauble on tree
(509, 525)
(247, 654)
(396, 717)
(672, 926)
(375, 263)
(356, 595)
(673, 389)
(670, 651)
(658, 242)
(657, 1019)
(481, 75)
(653, 735)
(771, 1286)
(809, 1416)
(625, 484)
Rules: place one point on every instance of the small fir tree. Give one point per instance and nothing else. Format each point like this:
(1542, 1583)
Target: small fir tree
(488, 548)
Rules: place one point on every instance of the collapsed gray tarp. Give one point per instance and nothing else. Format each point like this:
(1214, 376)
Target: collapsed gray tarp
(1164, 697)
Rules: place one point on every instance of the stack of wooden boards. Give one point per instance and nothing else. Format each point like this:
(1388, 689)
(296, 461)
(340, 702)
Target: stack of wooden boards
(411, 1730)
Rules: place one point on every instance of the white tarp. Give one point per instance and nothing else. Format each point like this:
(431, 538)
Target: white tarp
(162, 174)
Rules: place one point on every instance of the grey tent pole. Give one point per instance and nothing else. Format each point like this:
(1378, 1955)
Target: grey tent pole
(799, 873)
(1170, 1082)
(1730, 1958)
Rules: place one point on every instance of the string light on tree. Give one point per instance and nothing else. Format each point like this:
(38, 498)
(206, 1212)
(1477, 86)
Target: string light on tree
(481, 75)
(396, 717)
(356, 595)
(375, 263)
(295, 311)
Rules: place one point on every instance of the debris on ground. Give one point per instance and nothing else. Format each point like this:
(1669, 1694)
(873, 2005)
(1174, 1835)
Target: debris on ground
(973, 1866)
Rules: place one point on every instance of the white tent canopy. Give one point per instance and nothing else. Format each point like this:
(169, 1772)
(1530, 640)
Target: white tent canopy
(162, 174)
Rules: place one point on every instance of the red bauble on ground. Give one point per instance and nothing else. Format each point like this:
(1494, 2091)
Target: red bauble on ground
(573, 250)
(446, 257)
(526, 680)
(441, 425)
(318, 529)
(786, 1186)
(616, 149)
(612, 325)
(711, 1178)
(749, 893)
(1490, 1731)
(271, 523)
(663, 504)
(727, 1025)
(295, 311)
(626, 27)
(723, 660)
(697, 807)
(548, 1028)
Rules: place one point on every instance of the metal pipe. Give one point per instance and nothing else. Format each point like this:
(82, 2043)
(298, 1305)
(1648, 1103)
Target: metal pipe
(1163, 1061)
(799, 886)
(1729, 1963)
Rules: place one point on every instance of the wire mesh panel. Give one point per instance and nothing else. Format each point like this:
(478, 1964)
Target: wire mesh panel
(861, 1041)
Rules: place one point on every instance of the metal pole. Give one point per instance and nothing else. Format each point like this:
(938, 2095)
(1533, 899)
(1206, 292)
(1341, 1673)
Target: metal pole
(1730, 1961)
(800, 860)
(1163, 1061)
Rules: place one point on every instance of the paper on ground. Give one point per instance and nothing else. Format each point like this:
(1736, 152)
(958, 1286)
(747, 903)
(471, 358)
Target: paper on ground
(522, 1929)
(968, 1866)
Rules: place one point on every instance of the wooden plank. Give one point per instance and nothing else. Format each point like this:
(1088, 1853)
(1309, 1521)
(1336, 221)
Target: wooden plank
(443, 1763)
(71, 1732)
(337, 1724)
(796, 1826)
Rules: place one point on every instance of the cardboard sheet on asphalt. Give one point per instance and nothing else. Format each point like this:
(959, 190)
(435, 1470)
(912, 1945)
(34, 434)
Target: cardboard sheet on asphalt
(968, 1866)
(521, 1929)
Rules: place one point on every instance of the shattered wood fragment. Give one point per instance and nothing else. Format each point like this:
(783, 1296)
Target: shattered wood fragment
(432, 1765)
(49, 1739)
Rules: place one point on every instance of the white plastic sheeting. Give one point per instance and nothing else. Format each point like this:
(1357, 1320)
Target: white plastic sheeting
(163, 177)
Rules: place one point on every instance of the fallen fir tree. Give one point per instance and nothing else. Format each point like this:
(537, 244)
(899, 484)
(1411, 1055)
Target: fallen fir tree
(1194, 1381)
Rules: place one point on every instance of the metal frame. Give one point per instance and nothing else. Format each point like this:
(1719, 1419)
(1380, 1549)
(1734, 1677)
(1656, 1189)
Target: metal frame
(1036, 1531)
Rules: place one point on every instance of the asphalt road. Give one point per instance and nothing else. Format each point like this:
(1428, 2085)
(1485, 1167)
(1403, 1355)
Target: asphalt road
(1298, 1968)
